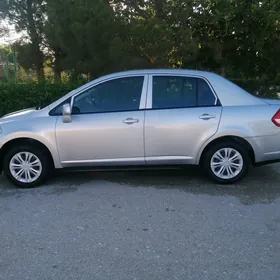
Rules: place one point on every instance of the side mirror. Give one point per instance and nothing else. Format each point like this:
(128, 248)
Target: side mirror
(66, 112)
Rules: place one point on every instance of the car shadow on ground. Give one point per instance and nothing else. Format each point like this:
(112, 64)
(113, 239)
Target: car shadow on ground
(262, 185)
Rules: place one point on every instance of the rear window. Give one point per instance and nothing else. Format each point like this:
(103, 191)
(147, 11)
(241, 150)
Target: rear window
(181, 92)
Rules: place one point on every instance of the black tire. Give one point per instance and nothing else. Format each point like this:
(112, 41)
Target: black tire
(206, 162)
(40, 154)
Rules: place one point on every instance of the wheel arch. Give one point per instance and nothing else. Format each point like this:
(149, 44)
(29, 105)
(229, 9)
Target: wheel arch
(25, 141)
(236, 139)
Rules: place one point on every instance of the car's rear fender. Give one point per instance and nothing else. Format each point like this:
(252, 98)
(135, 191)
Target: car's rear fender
(249, 121)
(252, 124)
(251, 144)
(271, 101)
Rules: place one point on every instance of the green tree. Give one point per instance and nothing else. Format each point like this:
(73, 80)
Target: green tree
(159, 31)
(25, 56)
(236, 37)
(29, 16)
(84, 36)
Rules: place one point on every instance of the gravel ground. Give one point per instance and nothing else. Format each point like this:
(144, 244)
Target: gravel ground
(142, 225)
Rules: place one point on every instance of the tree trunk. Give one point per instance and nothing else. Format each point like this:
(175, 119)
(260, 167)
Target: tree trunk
(57, 73)
(35, 41)
(218, 56)
(74, 76)
(57, 65)
(40, 69)
(159, 9)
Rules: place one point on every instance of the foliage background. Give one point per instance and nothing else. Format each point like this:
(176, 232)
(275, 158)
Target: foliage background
(65, 42)
(16, 96)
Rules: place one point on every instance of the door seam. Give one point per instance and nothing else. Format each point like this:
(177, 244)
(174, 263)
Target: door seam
(144, 126)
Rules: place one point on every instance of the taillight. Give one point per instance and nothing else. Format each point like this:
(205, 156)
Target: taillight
(276, 119)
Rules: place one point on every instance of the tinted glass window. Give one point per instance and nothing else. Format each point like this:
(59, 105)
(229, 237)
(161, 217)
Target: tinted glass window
(57, 111)
(116, 95)
(180, 92)
(205, 94)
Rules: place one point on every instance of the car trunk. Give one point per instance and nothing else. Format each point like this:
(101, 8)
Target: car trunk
(271, 101)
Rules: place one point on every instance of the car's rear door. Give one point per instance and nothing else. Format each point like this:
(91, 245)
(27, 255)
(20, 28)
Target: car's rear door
(181, 114)
(107, 125)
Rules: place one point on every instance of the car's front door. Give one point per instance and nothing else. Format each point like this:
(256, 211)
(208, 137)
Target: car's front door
(182, 113)
(106, 125)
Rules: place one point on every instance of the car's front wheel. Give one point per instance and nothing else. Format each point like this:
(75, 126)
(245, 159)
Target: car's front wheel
(226, 163)
(26, 166)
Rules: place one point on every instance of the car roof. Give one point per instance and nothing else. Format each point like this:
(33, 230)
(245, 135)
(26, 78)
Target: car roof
(163, 71)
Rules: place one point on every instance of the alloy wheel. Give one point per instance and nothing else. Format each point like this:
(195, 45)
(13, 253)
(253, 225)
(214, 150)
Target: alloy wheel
(226, 163)
(25, 167)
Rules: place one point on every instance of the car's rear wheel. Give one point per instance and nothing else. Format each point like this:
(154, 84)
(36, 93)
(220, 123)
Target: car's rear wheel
(226, 163)
(26, 166)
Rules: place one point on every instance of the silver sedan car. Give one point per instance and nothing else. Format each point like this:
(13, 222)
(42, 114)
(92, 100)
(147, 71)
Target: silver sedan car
(147, 118)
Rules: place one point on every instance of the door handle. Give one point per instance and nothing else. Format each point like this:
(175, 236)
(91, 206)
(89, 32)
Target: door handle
(207, 117)
(130, 121)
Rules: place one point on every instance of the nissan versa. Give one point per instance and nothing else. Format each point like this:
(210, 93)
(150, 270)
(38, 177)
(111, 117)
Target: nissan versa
(144, 118)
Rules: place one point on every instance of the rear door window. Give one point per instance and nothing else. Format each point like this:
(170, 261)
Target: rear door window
(181, 92)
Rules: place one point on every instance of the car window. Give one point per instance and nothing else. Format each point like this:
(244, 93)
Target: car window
(205, 94)
(57, 111)
(181, 92)
(121, 94)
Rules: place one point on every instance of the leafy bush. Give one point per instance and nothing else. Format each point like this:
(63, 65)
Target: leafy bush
(25, 95)
(260, 88)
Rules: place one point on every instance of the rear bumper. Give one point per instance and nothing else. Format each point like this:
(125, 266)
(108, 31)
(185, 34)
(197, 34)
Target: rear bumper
(266, 149)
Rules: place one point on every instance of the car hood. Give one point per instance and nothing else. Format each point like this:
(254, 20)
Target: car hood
(22, 114)
(271, 101)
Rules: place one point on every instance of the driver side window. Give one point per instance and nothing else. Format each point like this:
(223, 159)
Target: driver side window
(123, 94)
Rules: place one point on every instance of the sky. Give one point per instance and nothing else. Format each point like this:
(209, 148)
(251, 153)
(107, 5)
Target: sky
(12, 36)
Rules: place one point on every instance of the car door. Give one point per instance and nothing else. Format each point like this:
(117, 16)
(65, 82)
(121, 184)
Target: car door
(106, 125)
(181, 114)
